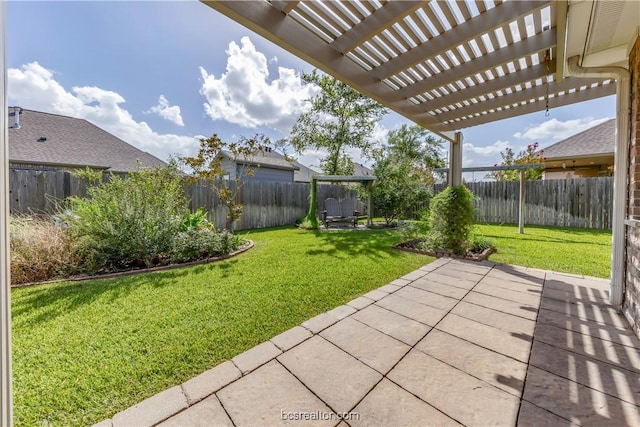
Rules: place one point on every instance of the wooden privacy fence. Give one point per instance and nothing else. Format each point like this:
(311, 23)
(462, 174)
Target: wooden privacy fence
(265, 204)
(579, 202)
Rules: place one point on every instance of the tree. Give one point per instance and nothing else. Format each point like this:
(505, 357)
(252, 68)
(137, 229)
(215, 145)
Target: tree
(529, 156)
(403, 170)
(208, 164)
(339, 118)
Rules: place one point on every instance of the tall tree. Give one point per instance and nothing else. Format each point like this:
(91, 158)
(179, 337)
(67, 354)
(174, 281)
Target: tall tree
(340, 117)
(403, 170)
(531, 155)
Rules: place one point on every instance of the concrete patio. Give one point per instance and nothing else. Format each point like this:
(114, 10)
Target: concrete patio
(451, 343)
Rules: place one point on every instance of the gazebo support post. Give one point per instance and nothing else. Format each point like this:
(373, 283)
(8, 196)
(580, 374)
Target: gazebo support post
(369, 204)
(311, 220)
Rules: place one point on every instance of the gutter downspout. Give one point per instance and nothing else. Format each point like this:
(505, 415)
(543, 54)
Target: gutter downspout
(623, 88)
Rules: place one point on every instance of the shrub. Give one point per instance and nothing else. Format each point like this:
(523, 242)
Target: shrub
(129, 222)
(196, 219)
(451, 219)
(203, 242)
(40, 251)
(480, 243)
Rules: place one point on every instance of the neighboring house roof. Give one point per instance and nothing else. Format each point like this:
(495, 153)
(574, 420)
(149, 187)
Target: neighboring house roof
(304, 174)
(55, 140)
(265, 158)
(596, 141)
(360, 170)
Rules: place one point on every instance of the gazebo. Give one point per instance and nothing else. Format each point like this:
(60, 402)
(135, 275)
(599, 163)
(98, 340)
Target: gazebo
(365, 180)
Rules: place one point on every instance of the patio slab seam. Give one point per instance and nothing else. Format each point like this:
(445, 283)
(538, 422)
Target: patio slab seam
(526, 374)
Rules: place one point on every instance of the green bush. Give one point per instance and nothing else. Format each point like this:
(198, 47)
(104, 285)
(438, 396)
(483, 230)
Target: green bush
(451, 220)
(196, 219)
(203, 242)
(480, 243)
(130, 222)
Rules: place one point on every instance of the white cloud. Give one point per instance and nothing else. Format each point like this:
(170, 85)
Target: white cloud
(243, 94)
(485, 156)
(556, 129)
(168, 112)
(34, 87)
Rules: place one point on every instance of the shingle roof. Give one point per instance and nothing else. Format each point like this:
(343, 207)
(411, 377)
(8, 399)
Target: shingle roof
(360, 169)
(266, 158)
(597, 140)
(71, 142)
(304, 174)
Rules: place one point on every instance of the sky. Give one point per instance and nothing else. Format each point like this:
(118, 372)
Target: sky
(160, 75)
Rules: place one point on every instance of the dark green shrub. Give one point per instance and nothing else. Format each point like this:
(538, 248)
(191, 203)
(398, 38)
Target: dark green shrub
(451, 220)
(203, 242)
(131, 221)
(480, 243)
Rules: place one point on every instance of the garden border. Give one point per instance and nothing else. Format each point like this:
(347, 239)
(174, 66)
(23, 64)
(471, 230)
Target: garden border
(484, 255)
(117, 274)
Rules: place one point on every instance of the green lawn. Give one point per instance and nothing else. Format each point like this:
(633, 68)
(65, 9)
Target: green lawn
(577, 251)
(86, 350)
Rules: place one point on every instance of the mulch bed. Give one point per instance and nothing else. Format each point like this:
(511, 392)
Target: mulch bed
(248, 245)
(411, 246)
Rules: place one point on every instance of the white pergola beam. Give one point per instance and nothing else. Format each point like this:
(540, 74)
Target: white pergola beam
(557, 101)
(462, 33)
(285, 6)
(534, 44)
(374, 24)
(269, 22)
(499, 83)
(518, 97)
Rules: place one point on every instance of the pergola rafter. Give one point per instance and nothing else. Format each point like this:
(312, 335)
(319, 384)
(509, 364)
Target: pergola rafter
(463, 33)
(445, 65)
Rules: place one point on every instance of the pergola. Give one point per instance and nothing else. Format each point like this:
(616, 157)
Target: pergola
(446, 65)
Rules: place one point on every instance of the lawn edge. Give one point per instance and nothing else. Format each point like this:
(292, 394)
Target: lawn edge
(250, 244)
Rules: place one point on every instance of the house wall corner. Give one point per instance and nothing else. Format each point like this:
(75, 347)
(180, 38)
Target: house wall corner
(631, 304)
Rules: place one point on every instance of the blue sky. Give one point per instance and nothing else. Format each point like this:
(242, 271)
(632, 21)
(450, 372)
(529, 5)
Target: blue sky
(160, 74)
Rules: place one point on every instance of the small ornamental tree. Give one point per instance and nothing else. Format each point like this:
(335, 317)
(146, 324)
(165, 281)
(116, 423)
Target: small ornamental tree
(525, 157)
(451, 220)
(208, 164)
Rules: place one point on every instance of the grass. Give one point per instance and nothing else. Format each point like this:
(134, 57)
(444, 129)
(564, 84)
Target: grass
(84, 351)
(576, 251)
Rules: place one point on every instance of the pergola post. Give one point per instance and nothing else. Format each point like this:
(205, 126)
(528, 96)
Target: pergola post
(6, 410)
(455, 160)
(521, 205)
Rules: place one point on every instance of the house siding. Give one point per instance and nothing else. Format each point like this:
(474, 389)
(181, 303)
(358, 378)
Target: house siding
(267, 174)
(631, 304)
